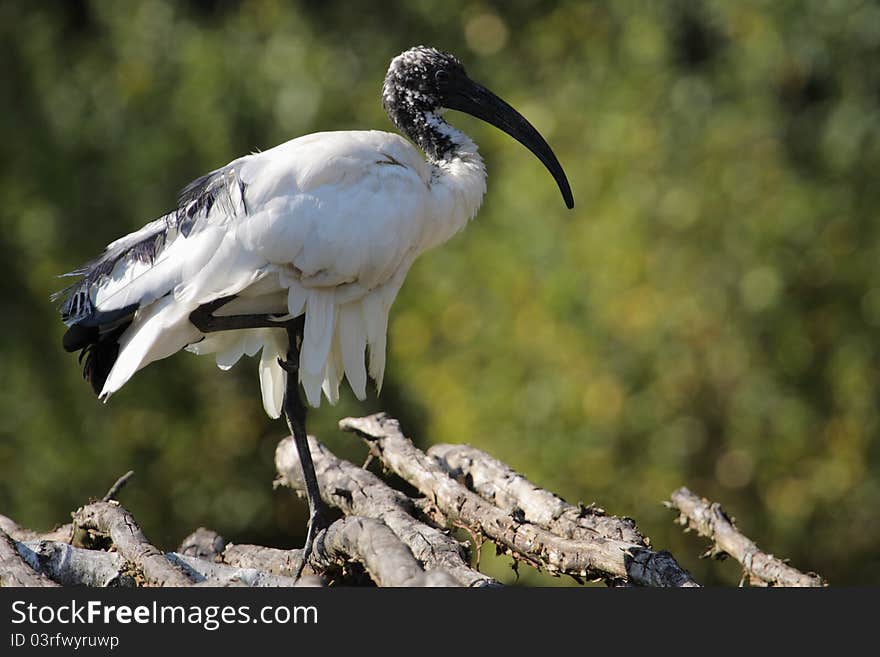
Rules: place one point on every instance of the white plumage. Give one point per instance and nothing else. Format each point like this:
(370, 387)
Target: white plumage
(325, 226)
(328, 225)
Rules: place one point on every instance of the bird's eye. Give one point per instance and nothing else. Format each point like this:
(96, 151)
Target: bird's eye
(442, 76)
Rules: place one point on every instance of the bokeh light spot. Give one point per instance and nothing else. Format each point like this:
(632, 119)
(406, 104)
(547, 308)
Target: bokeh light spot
(486, 34)
(760, 288)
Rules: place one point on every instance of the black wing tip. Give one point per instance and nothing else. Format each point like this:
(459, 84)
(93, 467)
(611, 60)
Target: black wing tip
(79, 337)
(98, 354)
(99, 360)
(96, 337)
(195, 189)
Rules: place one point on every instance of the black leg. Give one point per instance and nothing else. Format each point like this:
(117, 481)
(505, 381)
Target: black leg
(295, 412)
(203, 318)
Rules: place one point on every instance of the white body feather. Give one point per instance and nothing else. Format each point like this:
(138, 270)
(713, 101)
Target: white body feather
(327, 225)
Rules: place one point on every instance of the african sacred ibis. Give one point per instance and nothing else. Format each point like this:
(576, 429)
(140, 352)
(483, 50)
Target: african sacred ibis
(297, 252)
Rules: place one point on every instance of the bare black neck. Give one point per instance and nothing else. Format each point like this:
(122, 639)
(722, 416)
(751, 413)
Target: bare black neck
(419, 118)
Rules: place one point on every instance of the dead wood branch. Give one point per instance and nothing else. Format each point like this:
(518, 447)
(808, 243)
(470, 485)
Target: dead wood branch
(382, 554)
(110, 520)
(356, 491)
(498, 484)
(709, 520)
(367, 541)
(204, 544)
(14, 570)
(389, 536)
(354, 539)
(211, 562)
(117, 486)
(271, 560)
(72, 566)
(598, 557)
(208, 573)
(63, 533)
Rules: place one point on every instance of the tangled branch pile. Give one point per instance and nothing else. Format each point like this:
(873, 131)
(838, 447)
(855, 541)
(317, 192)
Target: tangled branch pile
(384, 536)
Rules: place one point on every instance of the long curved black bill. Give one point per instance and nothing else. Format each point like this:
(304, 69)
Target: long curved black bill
(476, 100)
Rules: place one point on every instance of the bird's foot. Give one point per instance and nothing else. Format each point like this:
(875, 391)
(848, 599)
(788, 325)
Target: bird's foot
(317, 523)
(287, 366)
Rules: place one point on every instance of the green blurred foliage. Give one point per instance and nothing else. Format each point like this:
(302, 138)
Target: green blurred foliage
(707, 316)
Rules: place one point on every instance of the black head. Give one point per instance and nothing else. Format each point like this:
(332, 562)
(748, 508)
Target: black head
(423, 80)
(418, 79)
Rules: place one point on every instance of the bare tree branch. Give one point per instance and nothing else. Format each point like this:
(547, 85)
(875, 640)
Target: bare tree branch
(384, 556)
(356, 491)
(14, 570)
(351, 539)
(272, 560)
(63, 533)
(397, 540)
(73, 566)
(512, 493)
(204, 544)
(709, 520)
(598, 557)
(364, 540)
(117, 486)
(208, 573)
(109, 519)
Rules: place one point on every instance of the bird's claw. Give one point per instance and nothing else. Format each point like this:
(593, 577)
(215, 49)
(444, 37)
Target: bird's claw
(317, 523)
(287, 367)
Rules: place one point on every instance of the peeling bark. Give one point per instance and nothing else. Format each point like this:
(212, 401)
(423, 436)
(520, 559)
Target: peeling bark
(385, 534)
(110, 520)
(356, 491)
(14, 570)
(511, 492)
(709, 520)
(593, 557)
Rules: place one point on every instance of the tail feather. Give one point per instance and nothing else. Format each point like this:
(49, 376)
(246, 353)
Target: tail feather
(158, 331)
(273, 379)
(79, 337)
(99, 356)
(352, 338)
(120, 314)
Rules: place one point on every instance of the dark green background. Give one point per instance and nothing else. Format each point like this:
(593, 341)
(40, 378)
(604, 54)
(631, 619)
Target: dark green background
(707, 316)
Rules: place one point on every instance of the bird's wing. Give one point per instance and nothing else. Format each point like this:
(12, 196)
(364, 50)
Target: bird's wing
(329, 209)
(143, 267)
(339, 206)
(342, 216)
(332, 217)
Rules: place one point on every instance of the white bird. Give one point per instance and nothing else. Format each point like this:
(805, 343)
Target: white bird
(314, 236)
